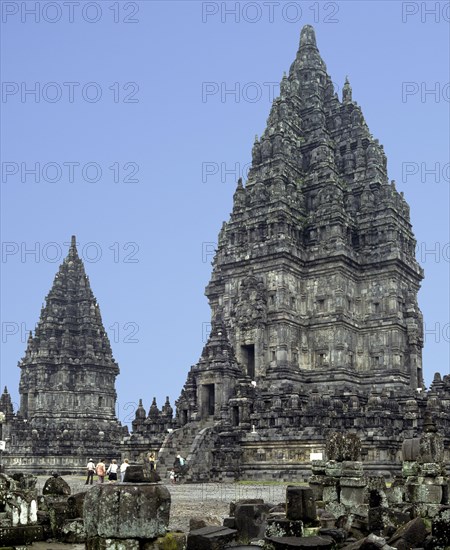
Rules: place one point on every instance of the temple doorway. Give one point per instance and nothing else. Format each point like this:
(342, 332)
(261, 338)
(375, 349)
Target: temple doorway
(248, 358)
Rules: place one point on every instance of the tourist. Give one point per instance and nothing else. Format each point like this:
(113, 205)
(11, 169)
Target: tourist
(100, 470)
(123, 469)
(181, 460)
(151, 459)
(112, 470)
(90, 472)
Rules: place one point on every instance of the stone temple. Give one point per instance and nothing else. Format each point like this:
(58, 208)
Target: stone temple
(67, 382)
(315, 323)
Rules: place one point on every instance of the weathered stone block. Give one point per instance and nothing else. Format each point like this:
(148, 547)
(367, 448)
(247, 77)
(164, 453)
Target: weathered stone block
(333, 468)
(413, 533)
(353, 491)
(58, 512)
(330, 494)
(56, 486)
(282, 527)
(316, 484)
(244, 501)
(300, 504)
(318, 467)
(338, 535)
(229, 522)
(171, 541)
(198, 523)
(23, 534)
(76, 503)
(210, 538)
(134, 474)
(336, 508)
(429, 494)
(410, 449)
(327, 520)
(72, 531)
(410, 469)
(395, 493)
(99, 543)
(251, 520)
(431, 448)
(382, 520)
(127, 511)
(284, 543)
(430, 469)
(352, 468)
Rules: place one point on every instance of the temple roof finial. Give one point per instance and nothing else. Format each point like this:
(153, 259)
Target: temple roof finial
(308, 36)
(346, 91)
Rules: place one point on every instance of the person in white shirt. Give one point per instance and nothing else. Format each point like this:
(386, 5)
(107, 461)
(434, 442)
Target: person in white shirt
(112, 470)
(123, 469)
(90, 472)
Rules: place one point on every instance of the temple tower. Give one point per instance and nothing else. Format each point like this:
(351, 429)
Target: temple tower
(315, 284)
(315, 271)
(67, 383)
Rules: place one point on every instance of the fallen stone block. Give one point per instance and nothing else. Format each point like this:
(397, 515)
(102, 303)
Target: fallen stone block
(20, 535)
(56, 486)
(229, 522)
(413, 533)
(174, 540)
(76, 503)
(244, 501)
(284, 543)
(210, 538)
(282, 527)
(198, 523)
(72, 531)
(300, 504)
(251, 520)
(126, 511)
(338, 535)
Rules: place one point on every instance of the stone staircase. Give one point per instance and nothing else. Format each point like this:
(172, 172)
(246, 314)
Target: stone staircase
(185, 441)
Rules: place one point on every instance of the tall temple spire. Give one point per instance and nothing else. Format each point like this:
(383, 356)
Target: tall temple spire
(317, 193)
(70, 324)
(69, 339)
(67, 381)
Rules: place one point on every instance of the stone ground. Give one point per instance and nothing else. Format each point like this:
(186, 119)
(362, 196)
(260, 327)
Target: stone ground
(194, 500)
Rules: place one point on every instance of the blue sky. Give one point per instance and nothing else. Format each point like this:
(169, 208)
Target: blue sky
(139, 139)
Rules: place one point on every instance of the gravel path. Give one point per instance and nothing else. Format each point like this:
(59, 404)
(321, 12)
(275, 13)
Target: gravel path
(210, 500)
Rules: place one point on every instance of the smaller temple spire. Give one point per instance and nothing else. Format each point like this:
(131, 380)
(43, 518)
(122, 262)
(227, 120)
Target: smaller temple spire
(347, 92)
(154, 411)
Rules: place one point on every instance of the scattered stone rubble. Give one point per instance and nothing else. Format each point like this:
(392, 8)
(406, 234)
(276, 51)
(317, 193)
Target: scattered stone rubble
(122, 516)
(341, 508)
(344, 509)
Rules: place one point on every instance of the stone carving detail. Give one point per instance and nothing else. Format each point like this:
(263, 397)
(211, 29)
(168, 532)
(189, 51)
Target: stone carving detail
(252, 302)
